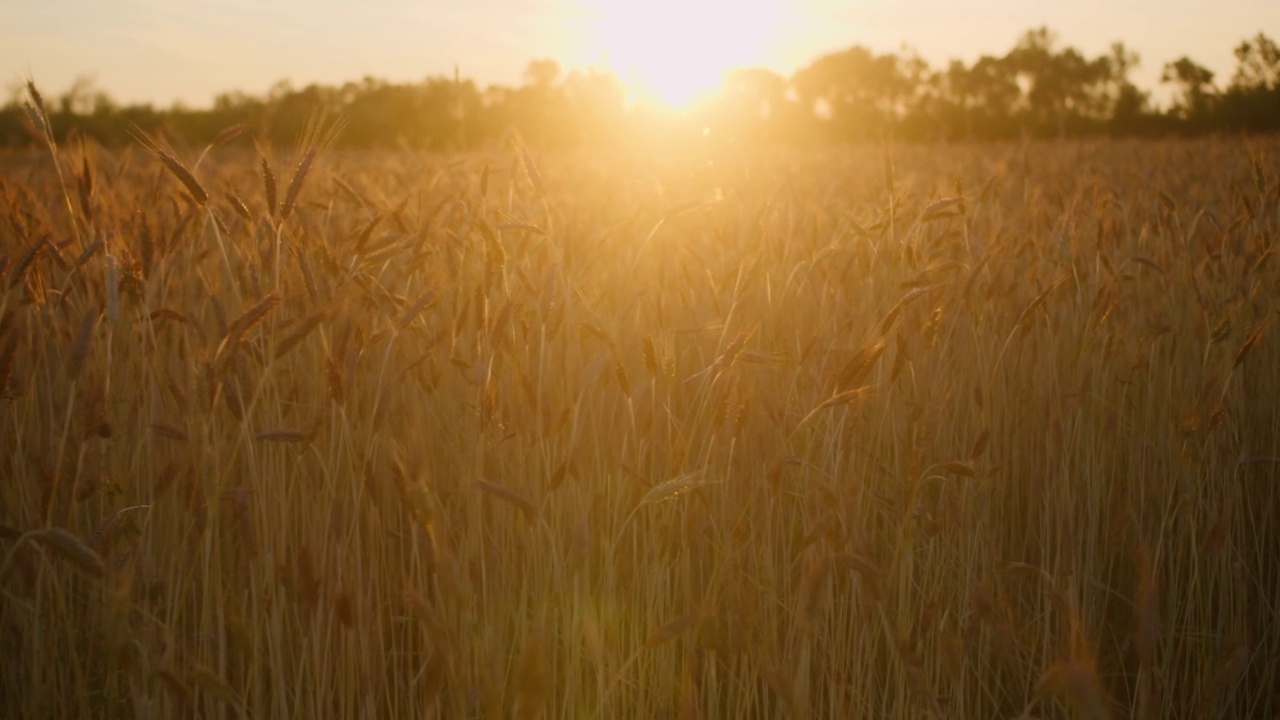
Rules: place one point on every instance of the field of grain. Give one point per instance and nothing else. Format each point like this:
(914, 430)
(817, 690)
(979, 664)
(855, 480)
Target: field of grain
(963, 431)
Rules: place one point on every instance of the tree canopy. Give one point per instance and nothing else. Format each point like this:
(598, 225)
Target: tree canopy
(1039, 88)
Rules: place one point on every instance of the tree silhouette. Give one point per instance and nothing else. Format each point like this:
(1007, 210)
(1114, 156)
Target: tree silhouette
(1126, 102)
(858, 91)
(1039, 87)
(984, 95)
(1259, 64)
(596, 106)
(1196, 93)
(542, 74)
(1252, 101)
(1061, 85)
(753, 105)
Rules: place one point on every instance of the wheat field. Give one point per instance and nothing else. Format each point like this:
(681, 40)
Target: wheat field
(871, 432)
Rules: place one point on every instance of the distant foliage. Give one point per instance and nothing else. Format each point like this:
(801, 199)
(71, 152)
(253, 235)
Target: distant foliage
(1039, 88)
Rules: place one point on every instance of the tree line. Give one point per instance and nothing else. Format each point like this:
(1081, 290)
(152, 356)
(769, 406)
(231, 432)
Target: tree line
(1039, 88)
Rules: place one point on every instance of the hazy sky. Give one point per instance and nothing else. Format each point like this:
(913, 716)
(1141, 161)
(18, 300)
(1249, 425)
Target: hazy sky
(165, 50)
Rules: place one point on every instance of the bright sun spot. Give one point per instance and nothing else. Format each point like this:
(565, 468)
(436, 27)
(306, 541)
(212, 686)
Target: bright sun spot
(673, 53)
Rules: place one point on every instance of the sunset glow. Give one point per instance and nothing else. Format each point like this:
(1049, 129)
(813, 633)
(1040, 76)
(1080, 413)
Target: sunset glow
(669, 52)
(631, 359)
(672, 53)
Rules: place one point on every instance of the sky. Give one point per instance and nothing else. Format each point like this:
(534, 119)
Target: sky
(162, 51)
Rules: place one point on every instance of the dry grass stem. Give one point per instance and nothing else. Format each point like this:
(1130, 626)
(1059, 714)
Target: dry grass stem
(688, 430)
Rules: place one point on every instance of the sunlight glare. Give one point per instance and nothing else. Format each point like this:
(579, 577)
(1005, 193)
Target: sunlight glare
(673, 53)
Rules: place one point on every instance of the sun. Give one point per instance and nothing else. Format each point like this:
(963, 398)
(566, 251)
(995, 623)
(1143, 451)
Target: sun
(673, 53)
